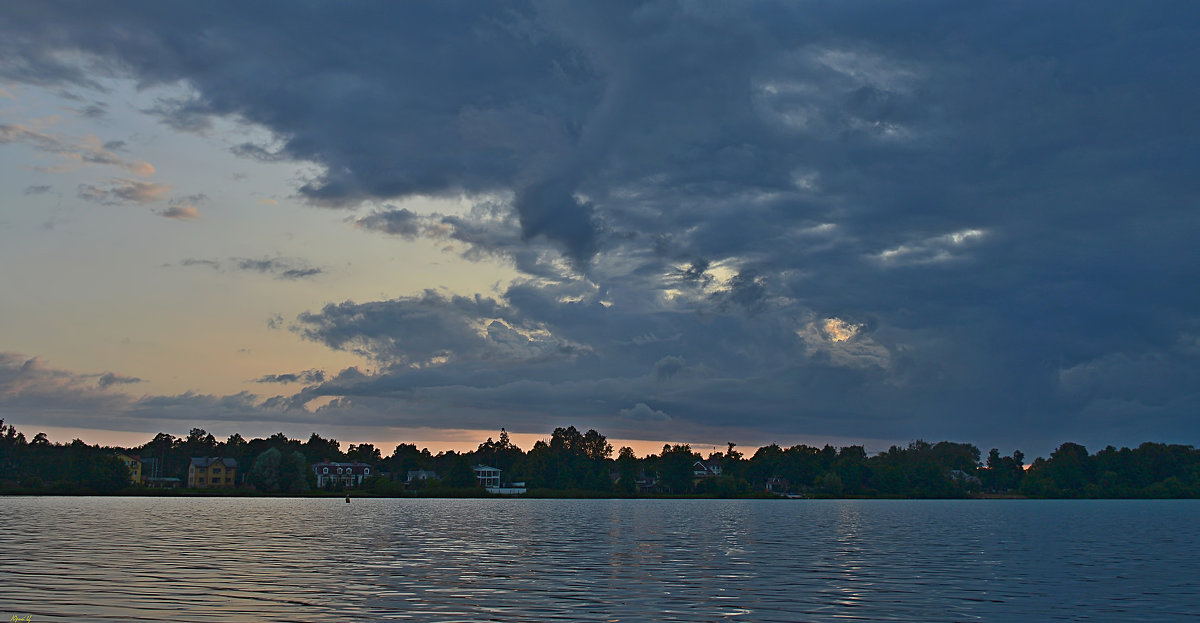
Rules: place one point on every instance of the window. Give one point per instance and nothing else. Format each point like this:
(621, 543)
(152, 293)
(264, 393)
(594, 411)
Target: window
(339, 470)
(217, 470)
(200, 480)
(367, 470)
(228, 480)
(324, 470)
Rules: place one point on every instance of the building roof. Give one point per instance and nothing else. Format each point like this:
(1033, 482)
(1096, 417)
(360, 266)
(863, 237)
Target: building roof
(354, 466)
(205, 461)
(486, 468)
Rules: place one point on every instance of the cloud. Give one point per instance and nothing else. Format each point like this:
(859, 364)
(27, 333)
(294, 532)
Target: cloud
(942, 248)
(281, 268)
(109, 378)
(95, 110)
(124, 192)
(401, 222)
(434, 330)
(86, 150)
(901, 219)
(38, 189)
(184, 212)
(307, 376)
(668, 367)
(642, 413)
(183, 207)
(28, 385)
(213, 264)
(286, 269)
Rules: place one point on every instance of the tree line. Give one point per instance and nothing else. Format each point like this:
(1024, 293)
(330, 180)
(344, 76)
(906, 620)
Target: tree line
(575, 463)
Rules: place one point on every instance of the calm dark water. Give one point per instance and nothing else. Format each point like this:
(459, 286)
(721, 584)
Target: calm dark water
(213, 559)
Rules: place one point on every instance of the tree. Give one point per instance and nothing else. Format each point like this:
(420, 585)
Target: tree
(294, 472)
(461, 473)
(406, 457)
(364, 453)
(104, 472)
(1069, 468)
(733, 463)
(1003, 473)
(830, 483)
(12, 450)
(596, 446)
(264, 475)
(275, 470)
(766, 464)
(851, 470)
(200, 442)
(675, 467)
(627, 465)
(234, 444)
(318, 449)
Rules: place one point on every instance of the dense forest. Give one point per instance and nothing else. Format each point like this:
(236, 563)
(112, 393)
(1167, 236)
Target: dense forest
(574, 463)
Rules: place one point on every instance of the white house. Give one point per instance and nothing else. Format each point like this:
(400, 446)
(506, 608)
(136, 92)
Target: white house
(706, 469)
(487, 476)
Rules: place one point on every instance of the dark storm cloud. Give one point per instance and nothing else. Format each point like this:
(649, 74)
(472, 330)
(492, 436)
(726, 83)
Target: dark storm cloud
(668, 367)
(926, 219)
(432, 329)
(281, 268)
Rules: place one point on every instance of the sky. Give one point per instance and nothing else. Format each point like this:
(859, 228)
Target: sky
(688, 222)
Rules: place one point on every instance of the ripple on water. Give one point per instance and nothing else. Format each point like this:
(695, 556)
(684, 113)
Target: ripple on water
(214, 559)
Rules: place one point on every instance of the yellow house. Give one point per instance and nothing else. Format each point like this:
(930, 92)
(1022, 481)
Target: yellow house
(134, 463)
(208, 472)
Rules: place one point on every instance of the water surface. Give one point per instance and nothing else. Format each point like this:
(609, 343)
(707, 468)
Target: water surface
(262, 559)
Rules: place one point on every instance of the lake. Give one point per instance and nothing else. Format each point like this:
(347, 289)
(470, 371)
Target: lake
(271, 559)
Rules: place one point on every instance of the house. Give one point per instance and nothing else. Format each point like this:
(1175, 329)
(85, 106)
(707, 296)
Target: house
(487, 476)
(420, 475)
(958, 475)
(134, 463)
(780, 485)
(706, 469)
(346, 475)
(212, 472)
(151, 476)
(647, 482)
